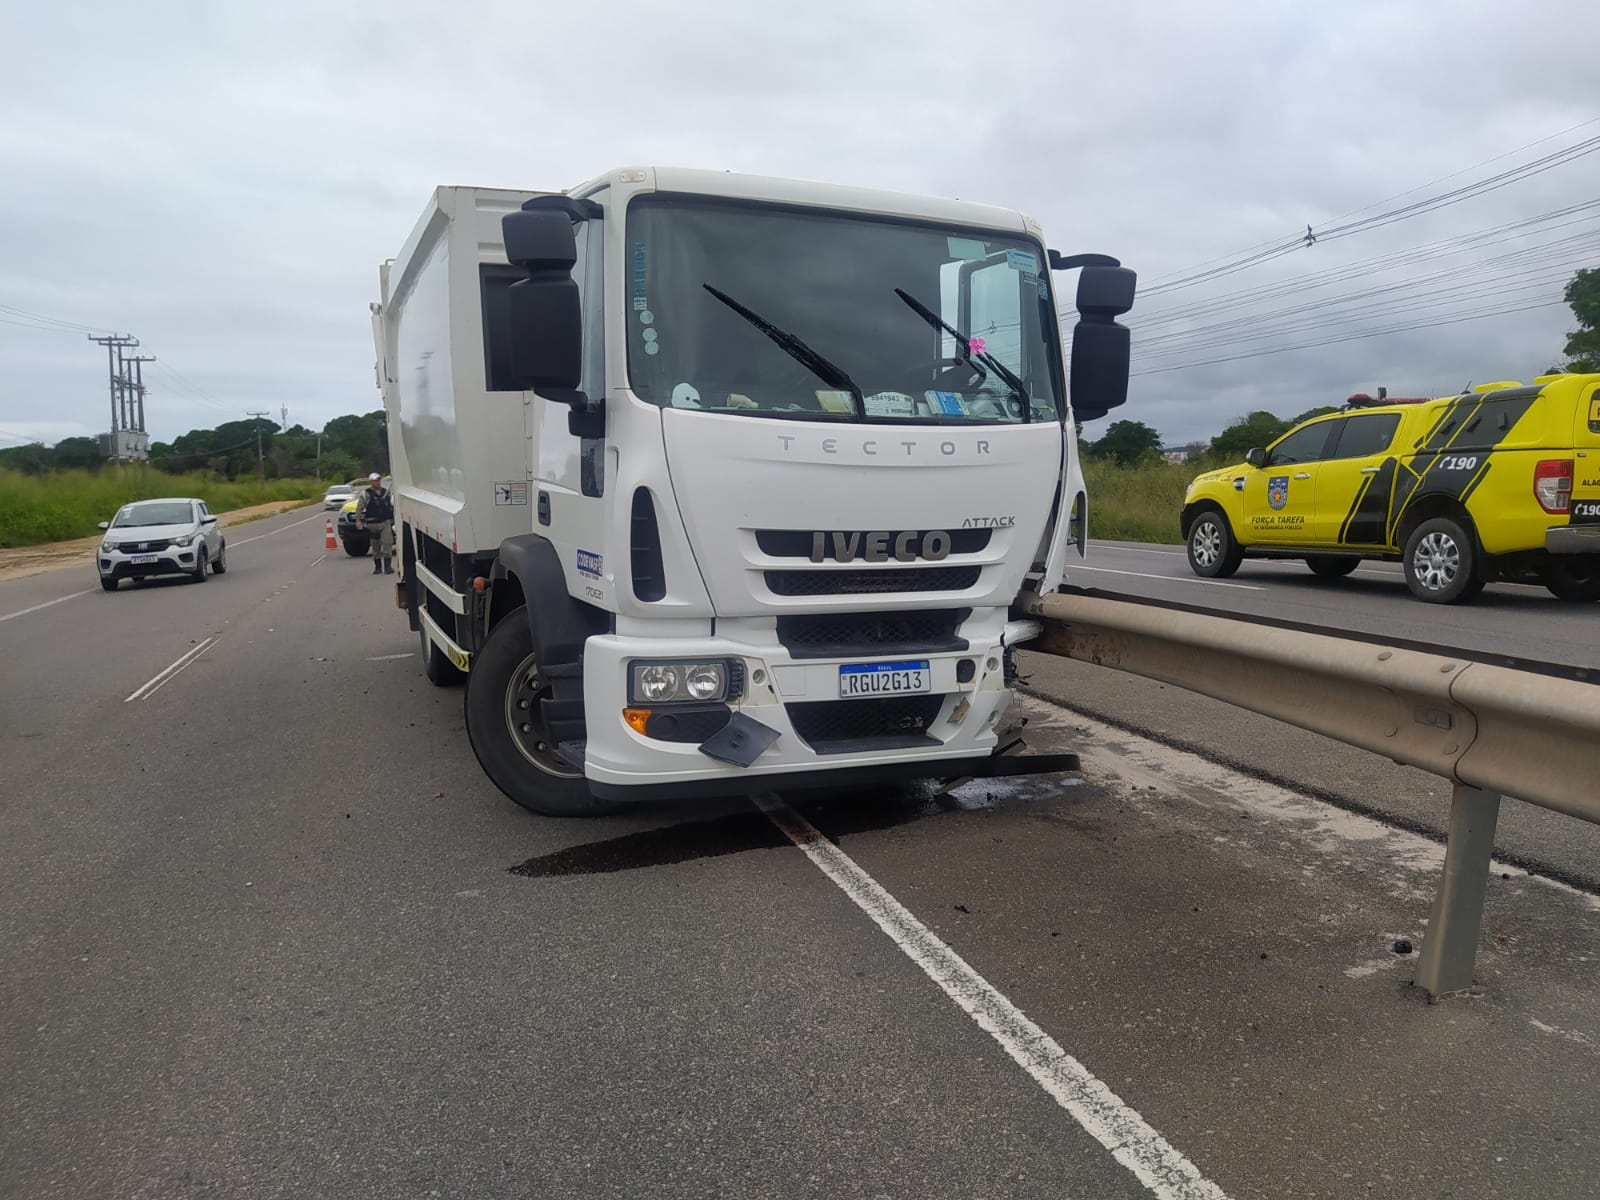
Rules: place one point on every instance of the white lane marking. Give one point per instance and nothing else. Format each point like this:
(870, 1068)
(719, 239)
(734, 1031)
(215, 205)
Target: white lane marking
(1135, 549)
(58, 600)
(1132, 1142)
(1249, 587)
(393, 657)
(149, 688)
(315, 561)
(280, 529)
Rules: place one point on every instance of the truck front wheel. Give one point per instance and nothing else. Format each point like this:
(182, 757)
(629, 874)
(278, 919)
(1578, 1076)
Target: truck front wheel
(505, 724)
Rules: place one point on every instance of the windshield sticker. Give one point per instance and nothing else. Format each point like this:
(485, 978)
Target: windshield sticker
(969, 249)
(651, 335)
(685, 395)
(1030, 278)
(640, 303)
(836, 401)
(652, 347)
(590, 563)
(646, 317)
(891, 404)
(1278, 491)
(976, 345)
(1023, 260)
(947, 404)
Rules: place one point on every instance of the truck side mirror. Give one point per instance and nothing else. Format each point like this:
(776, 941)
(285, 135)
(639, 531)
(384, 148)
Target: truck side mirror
(544, 312)
(1256, 457)
(1101, 348)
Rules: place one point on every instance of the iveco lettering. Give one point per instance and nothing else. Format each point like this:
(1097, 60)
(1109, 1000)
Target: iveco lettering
(793, 454)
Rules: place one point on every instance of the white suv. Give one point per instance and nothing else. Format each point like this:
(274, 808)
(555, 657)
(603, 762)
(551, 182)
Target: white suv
(161, 537)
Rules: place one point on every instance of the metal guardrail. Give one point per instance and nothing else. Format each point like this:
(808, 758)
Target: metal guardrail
(1490, 730)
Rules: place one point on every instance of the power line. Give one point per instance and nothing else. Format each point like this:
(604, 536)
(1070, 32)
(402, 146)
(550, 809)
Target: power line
(1160, 279)
(1355, 337)
(1329, 232)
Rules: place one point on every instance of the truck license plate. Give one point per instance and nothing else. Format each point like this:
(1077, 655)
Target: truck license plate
(140, 560)
(884, 679)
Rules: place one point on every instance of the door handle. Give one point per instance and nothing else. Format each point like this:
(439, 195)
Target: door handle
(1303, 475)
(1370, 470)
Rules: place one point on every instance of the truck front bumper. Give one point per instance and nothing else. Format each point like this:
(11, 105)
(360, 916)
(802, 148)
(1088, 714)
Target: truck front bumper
(822, 740)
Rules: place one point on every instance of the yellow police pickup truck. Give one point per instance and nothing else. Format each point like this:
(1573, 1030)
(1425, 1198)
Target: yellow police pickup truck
(1502, 482)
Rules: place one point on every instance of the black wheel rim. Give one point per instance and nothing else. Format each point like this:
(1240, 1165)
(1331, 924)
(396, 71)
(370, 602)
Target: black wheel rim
(525, 721)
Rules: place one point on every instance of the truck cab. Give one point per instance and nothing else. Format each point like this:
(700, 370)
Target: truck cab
(716, 484)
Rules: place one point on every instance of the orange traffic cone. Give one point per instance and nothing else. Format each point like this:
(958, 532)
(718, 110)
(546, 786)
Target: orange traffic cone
(331, 541)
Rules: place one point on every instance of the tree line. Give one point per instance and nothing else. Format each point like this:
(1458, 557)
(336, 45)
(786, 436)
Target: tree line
(350, 446)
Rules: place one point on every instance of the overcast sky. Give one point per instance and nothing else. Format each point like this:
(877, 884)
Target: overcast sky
(222, 179)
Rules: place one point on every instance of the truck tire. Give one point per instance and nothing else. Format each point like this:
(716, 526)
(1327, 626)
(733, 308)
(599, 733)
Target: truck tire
(357, 547)
(436, 665)
(1441, 562)
(1214, 553)
(1575, 577)
(1331, 566)
(504, 726)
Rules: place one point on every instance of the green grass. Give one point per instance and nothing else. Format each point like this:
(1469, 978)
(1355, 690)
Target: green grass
(1137, 504)
(70, 504)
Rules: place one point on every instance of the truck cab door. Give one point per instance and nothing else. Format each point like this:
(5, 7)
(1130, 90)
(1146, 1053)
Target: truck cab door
(1099, 383)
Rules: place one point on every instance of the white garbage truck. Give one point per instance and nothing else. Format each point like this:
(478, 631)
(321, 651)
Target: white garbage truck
(713, 484)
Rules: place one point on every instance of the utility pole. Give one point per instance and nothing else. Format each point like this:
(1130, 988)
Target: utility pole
(261, 463)
(319, 456)
(137, 362)
(114, 344)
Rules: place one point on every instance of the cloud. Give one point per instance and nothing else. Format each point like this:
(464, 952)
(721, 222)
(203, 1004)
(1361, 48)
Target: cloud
(222, 180)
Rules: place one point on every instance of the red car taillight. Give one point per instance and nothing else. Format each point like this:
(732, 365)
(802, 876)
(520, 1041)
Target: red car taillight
(1552, 484)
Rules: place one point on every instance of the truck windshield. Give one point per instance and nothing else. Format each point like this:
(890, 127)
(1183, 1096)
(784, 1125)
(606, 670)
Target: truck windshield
(833, 335)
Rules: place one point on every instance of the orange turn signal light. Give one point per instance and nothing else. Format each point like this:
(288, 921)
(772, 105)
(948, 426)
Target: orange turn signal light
(637, 718)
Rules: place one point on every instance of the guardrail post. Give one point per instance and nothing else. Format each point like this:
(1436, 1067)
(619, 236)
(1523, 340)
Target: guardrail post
(1451, 945)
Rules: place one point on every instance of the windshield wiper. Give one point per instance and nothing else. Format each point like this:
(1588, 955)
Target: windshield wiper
(1007, 376)
(830, 373)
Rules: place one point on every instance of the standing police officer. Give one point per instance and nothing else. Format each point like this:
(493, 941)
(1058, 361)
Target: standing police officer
(375, 513)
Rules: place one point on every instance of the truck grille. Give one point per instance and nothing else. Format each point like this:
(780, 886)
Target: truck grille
(796, 543)
(845, 635)
(842, 726)
(871, 582)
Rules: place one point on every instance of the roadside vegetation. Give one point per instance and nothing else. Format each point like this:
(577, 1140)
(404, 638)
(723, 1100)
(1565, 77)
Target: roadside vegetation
(57, 505)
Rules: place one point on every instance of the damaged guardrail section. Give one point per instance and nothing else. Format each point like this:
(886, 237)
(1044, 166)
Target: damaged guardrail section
(1491, 730)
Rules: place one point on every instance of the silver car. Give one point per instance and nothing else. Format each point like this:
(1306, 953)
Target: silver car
(161, 537)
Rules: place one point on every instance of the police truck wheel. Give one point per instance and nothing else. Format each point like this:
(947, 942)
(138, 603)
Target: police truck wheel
(1572, 577)
(108, 583)
(1213, 551)
(436, 665)
(1441, 562)
(199, 575)
(1331, 566)
(506, 726)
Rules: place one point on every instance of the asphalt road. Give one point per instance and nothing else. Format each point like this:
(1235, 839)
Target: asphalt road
(265, 930)
(1506, 619)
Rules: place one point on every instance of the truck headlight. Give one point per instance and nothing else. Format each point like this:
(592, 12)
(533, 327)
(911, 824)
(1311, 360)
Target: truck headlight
(685, 682)
(656, 682)
(184, 540)
(107, 547)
